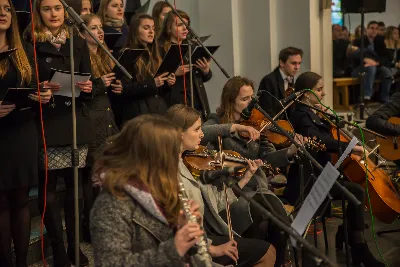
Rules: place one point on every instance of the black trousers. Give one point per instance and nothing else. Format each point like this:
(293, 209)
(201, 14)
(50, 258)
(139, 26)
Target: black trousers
(52, 218)
(250, 250)
(262, 228)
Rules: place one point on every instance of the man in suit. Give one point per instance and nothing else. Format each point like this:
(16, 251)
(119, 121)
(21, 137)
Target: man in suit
(273, 86)
(375, 58)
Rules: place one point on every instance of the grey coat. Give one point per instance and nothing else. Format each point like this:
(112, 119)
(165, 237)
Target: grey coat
(131, 232)
(240, 210)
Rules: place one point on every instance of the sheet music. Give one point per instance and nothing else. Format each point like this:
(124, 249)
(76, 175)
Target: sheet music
(318, 193)
(64, 80)
(347, 152)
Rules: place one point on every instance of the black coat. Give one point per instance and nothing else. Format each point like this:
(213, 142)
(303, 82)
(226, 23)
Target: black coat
(57, 117)
(274, 84)
(307, 123)
(200, 98)
(379, 54)
(378, 120)
(121, 42)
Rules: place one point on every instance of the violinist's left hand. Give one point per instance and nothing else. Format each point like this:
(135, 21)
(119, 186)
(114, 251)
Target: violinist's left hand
(324, 109)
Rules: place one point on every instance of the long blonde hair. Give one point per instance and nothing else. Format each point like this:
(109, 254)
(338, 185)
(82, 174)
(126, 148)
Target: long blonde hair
(100, 61)
(145, 152)
(40, 27)
(19, 57)
(229, 93)
(389, 41)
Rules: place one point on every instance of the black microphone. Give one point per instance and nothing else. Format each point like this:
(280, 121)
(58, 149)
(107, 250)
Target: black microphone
(246, 113)
(292, 97)
(217, 176)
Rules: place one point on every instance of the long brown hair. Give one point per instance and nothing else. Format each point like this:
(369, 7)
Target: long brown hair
(19, 57)
(100, 61)
(229, 93)
(183, 116)
(145, 152)
(157, 10)
(102, 9)
(40, 27)
(389, 41)
(149, 62)
(166, 31)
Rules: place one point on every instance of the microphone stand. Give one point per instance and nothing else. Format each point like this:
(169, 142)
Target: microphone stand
(78, 20)
(75, 18)
(346, 192)
(320, 258)
(190, 73)
(197, 38)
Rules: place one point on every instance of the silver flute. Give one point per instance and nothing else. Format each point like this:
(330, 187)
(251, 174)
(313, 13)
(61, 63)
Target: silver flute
(202, 251)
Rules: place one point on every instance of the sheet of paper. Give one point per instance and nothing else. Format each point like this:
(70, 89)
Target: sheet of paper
(347, 152)
(314, 199)
(64, 80)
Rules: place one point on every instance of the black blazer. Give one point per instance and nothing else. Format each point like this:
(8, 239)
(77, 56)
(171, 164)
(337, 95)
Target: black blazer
(378, 120)
(307, 123)
(57, 119)
(121, 42)
(274, 84)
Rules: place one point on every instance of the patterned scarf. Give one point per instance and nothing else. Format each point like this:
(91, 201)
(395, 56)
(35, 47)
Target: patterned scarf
(115, 23)
(58, 40)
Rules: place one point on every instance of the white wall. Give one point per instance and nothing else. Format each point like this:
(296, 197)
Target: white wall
(391, 17)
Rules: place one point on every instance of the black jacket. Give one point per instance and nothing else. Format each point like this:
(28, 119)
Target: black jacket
(307, 123)
(378, 120)
(121, 42)
(271, 84)
(177, 95)
(379, 54)
(57, 119)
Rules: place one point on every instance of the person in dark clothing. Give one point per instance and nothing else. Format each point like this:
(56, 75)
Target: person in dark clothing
(100, 112)
(378, 121)
(145, 93)
(340, 60)
(111, 13)
(274, 85)
(306, 122)
(18, 141)
(374, 62)
(174, 31)
(53, 52)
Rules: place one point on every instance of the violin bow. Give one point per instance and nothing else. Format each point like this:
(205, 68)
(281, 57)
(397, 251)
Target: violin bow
(227, 207)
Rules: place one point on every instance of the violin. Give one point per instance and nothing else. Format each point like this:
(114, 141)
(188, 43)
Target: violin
(203, 159)
(385, 200)
(259, 122)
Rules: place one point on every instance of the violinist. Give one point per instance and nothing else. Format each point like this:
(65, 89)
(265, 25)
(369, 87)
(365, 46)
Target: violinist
(236, 96)
(247, 252)
(306, 122)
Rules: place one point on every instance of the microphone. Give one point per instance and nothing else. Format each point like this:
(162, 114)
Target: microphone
(246, 112)
(215, 177)
(292, 97)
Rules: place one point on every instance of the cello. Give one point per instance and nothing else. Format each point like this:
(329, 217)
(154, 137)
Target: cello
(384, 198)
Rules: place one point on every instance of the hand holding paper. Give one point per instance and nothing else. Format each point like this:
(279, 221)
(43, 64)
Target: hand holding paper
(5, 109)
(85, 87)
(45, 97)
